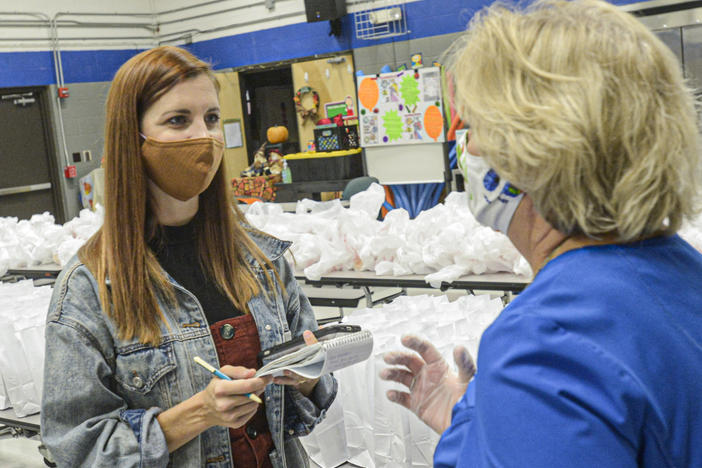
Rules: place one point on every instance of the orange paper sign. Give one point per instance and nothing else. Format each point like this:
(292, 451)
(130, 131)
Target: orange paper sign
(433, 122)
(368, 93)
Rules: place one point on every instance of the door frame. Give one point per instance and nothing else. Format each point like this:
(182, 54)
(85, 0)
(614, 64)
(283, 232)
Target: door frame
(260, 67)
(43, 96)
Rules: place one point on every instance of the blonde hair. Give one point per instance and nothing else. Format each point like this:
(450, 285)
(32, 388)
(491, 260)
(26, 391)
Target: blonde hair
(582, 107)
(120, 251)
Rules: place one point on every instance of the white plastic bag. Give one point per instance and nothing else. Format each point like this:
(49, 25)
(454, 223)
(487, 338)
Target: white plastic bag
(326, 444)
(4, 400)
(377, 432)
(24, 396)
(369, 201)
(23, 311)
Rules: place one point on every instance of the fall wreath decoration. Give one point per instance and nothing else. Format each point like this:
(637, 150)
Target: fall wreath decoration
(306, 113)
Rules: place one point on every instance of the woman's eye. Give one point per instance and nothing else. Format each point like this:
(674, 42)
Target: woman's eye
(212, 119)
(177, 120)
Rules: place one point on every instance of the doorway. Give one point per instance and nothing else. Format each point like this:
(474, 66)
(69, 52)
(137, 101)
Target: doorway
(267, 99)
(28, 174)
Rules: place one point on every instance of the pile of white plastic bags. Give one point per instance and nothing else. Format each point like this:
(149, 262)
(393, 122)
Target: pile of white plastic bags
(39, 241)
(23, 310)
(362, 426)
(442, 243)
(445, 241)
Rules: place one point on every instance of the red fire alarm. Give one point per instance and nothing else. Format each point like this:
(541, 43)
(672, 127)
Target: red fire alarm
(70, 172)
(63, 92)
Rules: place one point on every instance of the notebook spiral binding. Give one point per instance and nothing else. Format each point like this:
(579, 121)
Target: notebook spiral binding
(340, 342)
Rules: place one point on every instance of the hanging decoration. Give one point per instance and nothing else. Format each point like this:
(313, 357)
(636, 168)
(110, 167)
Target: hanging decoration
(300, 109)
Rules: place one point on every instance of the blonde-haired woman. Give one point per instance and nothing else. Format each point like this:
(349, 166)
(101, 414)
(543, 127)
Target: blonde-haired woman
(174, 273)
(598, 363)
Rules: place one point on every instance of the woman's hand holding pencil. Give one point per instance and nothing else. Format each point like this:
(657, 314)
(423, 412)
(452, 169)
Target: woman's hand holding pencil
(231, 398)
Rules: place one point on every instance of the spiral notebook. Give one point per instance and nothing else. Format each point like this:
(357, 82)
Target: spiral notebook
(321, 358)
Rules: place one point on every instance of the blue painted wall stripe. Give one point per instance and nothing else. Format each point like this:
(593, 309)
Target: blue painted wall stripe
(270, 45)
(94, 65)
(37, 68)
(26, 68)
(425, 18)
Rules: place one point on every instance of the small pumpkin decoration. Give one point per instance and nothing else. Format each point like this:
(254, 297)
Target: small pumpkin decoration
(277, 134)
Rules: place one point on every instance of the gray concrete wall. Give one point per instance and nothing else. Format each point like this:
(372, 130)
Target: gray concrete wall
(371, 59)
(83, 121)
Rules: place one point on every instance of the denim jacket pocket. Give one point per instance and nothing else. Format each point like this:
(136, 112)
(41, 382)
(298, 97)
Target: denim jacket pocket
(140, 371)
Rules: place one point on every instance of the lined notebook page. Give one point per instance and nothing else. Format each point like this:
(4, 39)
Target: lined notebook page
(321, 358)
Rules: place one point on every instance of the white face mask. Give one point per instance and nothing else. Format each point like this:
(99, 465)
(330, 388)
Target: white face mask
(492, 200)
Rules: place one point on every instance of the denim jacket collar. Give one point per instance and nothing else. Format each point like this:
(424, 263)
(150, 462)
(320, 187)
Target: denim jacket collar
(271, 246)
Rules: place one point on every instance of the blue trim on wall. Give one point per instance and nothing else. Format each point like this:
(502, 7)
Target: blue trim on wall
(26, 69)
(37, 68)
(93, 65)
(425, 18)
(272, 45)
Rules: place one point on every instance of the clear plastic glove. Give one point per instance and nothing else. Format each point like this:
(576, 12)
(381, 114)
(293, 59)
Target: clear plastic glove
(433, 388)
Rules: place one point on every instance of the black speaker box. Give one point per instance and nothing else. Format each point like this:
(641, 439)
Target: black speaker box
(324, 10)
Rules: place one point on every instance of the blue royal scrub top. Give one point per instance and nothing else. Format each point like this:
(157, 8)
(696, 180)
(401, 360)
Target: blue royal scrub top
(598, 363)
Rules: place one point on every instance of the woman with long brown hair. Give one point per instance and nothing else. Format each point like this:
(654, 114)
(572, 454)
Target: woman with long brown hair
(174, 273)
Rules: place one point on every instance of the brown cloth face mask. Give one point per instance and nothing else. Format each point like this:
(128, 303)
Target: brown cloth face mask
(182, 168)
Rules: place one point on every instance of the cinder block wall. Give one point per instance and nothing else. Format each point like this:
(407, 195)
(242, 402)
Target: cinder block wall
(83, 122)
(372, 58)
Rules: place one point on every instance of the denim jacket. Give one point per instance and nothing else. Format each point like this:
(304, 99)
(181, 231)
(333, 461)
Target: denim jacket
(102, 394)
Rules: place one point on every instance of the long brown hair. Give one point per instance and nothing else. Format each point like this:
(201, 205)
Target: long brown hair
(119, 251)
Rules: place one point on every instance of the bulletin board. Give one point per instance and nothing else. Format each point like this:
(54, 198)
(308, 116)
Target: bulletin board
(401, 108)
(232, 133)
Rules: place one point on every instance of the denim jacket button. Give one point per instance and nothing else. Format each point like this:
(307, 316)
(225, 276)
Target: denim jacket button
(137, 382)
(291, 432)
(227, 331)
(267, 327)
(251, 432)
